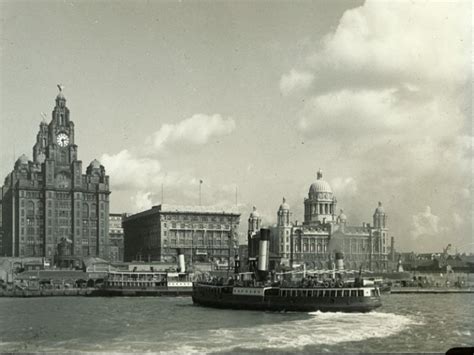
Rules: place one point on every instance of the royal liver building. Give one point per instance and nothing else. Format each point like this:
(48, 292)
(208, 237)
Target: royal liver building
(49, 207)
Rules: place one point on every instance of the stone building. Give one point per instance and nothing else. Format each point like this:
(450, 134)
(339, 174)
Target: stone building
(322, 232)
(115, 237)
(203, 233)
(49, 207)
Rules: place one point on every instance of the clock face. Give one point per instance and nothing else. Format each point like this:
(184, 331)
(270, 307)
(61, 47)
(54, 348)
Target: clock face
(62, 139)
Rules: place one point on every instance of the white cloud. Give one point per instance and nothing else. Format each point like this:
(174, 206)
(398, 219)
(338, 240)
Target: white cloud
(390, 103)
(359, 112)
(127, 170)
(425, 224)
(416, 41)
(294, 81)
(197, 129)
(141, 201)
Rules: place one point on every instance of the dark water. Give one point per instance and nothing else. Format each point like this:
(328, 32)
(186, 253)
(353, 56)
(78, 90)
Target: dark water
(405, 323)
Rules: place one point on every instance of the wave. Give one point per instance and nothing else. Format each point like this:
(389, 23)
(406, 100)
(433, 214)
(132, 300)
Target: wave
(319, 329)
(316, 329)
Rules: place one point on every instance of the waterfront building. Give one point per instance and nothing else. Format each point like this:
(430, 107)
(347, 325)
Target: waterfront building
(322, 232)
(116, 247)
(203, 233)
(49, 207)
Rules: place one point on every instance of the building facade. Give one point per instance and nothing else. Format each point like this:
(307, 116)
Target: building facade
(322, 233)
(115, 237)
(204, 234)
(49, 207)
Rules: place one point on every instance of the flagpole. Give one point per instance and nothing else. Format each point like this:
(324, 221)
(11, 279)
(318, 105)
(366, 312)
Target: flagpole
(200, 200)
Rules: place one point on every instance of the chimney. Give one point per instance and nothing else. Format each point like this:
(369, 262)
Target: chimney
(263, 249)
(181, 264)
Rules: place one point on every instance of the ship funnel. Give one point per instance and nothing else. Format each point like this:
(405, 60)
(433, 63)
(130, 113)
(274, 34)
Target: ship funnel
(263, 249)
(181, 264)
(339, 260)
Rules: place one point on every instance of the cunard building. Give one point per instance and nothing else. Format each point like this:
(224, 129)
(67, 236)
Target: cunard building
(323, 232)
(49, 207)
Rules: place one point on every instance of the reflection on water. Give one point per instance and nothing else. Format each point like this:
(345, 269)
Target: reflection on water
(404, 323)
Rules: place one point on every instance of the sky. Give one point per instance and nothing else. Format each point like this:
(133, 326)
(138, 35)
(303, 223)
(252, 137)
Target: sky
(253, 98)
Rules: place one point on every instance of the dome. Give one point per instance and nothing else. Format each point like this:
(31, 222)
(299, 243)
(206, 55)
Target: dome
(254, 213)
(380, 209)
(320, 185)
(95, 164)
(23, 160)
(284, 206)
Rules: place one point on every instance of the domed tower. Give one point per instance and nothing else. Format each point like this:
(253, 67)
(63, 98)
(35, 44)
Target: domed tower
(284, 214)
(283, 229)
(342, 218)
(320, 206)
(255, 221)
(380, 217)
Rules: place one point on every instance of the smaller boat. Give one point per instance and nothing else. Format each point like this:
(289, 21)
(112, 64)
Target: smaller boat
(147, 283)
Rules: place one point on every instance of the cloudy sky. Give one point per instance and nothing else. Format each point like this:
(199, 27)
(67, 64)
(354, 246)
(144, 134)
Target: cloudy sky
(256, 97)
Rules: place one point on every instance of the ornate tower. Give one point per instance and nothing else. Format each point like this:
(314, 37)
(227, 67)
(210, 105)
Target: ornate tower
(379, 239)
(320, 206)
(379, 217)
(284, 229)
(49, 207)
(255, 222)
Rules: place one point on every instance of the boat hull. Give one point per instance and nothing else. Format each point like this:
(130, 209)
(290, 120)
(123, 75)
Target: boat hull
(276, 299)
(117, 292)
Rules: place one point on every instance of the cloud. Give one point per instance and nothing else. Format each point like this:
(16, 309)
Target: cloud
(197, 129)
(141, 201)
(139, 174)
(389, 102)
(414, 42)
(127, 170)
(425, 224)
(295, 81)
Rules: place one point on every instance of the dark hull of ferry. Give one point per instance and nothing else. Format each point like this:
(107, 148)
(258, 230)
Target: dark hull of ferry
(298, 304)
(130, 292)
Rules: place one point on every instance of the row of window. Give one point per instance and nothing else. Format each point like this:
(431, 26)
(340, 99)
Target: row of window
(322, 293)
(196, 218)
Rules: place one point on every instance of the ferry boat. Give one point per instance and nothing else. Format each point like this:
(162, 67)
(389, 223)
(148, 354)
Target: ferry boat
(147, 283)
(347, 298)
(325, 294)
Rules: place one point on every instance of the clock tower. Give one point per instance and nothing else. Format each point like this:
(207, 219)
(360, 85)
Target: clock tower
(49, 207)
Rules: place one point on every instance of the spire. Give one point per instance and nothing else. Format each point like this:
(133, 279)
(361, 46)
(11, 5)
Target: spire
(284, 200)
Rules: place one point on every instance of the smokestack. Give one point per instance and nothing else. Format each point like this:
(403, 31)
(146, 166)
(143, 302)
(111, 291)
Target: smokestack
(339, 260)
(263, 249)
(181, 264)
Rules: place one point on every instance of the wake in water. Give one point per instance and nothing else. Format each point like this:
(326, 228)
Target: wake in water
(319, 329)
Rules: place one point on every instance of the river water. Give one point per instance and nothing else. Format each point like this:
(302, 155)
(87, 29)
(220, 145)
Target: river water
(405, 323)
